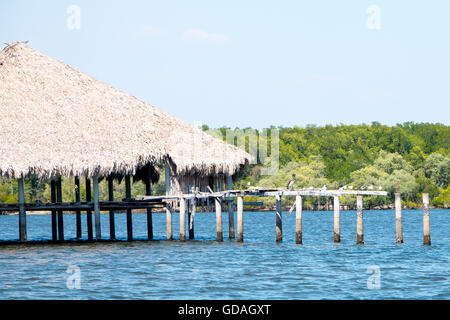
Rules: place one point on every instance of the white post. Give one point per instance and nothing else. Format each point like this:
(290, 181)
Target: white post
(182, 219)
(298, 219)
(230, 209)
(359, 220)
(219, 219)
(398, 218)
(426, 220)
(278, 220)
(240, 219)
(337, 219)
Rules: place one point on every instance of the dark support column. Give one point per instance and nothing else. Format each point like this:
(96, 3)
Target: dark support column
(78, 200)
(54, 218)
(22, 212)
(98, 229)
(129, 215)
(230, 209)
(89, 212)
(279, 220)
(60, 212)
(148, 192)
(112, 227)
(191, 215)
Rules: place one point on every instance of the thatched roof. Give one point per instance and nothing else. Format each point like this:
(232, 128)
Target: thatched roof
(56, 120)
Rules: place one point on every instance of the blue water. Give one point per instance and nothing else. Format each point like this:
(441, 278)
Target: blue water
(257, 269)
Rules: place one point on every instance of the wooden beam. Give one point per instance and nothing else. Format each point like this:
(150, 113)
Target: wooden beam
(54, 217)
(298, 220)
(78, 200)
(148, 192)
(191, 215)
(240, 219)
(60, 212)
(89, 212)
(426, 220)
(98, 229)
(218, 204)
(182, 219)
(337, 219)
(22, 212)
(279, 220)
(359, 220)
(129, 212)
(230, 209)
(112, 224)
(398, 218)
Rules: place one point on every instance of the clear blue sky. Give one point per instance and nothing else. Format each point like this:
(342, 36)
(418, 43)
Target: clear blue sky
(255, 63)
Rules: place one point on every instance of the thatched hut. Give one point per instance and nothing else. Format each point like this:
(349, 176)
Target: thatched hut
(58, 121)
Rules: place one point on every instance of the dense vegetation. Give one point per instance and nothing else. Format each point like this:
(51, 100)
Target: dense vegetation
(413, 155)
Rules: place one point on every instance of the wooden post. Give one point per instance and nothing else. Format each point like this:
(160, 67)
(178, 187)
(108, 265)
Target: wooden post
(426, 219)
(54, 218)
(219, 219)
(148, 192)
(129, 212)
(398, 218)
(240, 219)
(78, 211)
(337, 219)
(60, 212)
(22, 212)
(279, 221)
(89, 212)
(112, 223)
(182, 219)
(98, 229)
(191, 216)
(359, 220)
(169, 221)
(230, 210)
(298, 220)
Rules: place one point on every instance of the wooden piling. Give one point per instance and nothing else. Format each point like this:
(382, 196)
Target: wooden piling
(337, 219)
(426, 219)
(112, 223)
(191, 219)
(78, 211)
(22, 212)
(298, 220)
(60, 212)
(398, 218)
(359, 220)
(182, 219)
(148, 192)
(231, 232)
(169, 222)
(218, 204)
(89, 212)
(98, 229)
(54, 217)
(279, 220)
(240, 219)
(129, 212)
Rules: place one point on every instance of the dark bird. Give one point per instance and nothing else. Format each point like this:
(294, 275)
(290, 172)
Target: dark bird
(291, 182)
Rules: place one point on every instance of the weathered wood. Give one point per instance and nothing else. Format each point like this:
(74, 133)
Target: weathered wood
(129, 211)
(77, 211)
(60, 212)
(426, 219)
(148, 192)
(230, 209)
(89, 212)
(54, 217)
(98, 229)
(398, 218)
(182, 219)
(112, 222)
(298, 220)
(22, 212)
(169, 229)
(359, 220)
(337, 219)
(279, 220)
(218, 204)
(240, 219)
(191, 218)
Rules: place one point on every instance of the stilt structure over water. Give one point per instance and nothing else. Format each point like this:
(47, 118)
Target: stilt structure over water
(57, 121)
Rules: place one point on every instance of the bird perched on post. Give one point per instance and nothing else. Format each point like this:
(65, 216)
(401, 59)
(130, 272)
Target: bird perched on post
(290, 184)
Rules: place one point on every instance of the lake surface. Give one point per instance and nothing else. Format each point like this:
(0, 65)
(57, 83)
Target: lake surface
(259, 268)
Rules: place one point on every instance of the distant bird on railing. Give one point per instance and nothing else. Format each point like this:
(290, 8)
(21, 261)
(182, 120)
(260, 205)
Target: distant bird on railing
(290, 184)
(341, 189)
(363, 188)
(370, 188)
(380, 188)
(350, 187)
(311, 188)
(324, 188)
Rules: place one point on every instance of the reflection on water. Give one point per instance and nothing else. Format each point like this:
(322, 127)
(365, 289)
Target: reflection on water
(257, 269)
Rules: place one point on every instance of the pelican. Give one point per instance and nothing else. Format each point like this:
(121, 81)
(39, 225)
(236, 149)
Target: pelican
(380, 188)
(311, 188)
(362, 188)
(350, 187)
(324, 188)
(290, 184)
(370, 188)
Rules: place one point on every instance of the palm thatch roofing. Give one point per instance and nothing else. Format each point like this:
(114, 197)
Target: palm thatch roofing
(56, 121)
